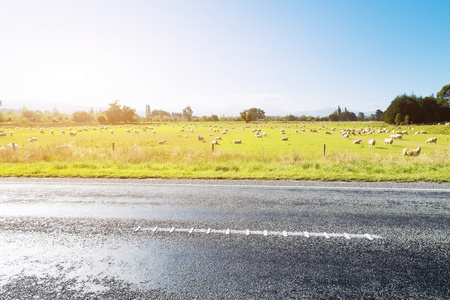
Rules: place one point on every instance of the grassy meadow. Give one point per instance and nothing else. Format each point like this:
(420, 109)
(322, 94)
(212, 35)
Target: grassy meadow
(137, 154)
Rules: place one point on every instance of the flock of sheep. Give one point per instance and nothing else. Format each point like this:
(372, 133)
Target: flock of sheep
(346, 133)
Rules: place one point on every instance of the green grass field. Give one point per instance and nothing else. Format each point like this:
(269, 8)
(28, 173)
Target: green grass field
(137, 154)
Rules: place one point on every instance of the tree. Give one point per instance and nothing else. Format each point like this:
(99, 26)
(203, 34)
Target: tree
(128, 113)
(398, 119)
(245, 116)
(148, 112)
(215, 118)
(101, 119)
(404, 105)
(187, 113)
(361, 116)
(444, 96)
(407, 120)
(82, 116)
(378, 114)
(114, 112)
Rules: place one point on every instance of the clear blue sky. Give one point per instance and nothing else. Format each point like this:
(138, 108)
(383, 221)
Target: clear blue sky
(221, 57)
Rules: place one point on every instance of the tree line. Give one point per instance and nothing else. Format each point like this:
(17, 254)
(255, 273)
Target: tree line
(407, 109)
(403, 109)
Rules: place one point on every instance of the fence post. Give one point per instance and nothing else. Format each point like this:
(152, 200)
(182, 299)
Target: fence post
(113, 145)
(324, 146)
(212, 147)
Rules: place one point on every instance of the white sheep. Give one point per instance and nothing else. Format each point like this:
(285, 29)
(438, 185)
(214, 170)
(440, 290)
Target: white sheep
(11, 133)
(411, 152)
(285, 138)
(372, 143)
(431, 140)
(32, 139)
(62, 146)
(264, 134)
(388, 141)
(162, 142)
(73, 133)
(13, 146)
(3, 133)
(357, 142)
(237, 141)
(200, 138)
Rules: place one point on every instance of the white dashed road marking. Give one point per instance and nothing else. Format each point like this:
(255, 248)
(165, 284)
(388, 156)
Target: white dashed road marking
(284, 233)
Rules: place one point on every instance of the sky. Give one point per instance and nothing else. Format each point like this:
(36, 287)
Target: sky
(222, 57)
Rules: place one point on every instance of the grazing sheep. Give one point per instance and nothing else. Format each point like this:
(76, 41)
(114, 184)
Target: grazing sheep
(3, 133)
(62, 131)
(11, 133)
(215, 142)
(431, 140)
(111, 131)
(357, 142)
(423, 132)
(264, 134)
(13, 146)
(284, 138)
(388, 141)
(154, 131)
(237, 142)
(162, 142)
(62, 146)
(32, 139)
(411, 152)
(52, 132)
(200, 138)
(327, 132)
(73, 133)
(218, 138)
(372, 143)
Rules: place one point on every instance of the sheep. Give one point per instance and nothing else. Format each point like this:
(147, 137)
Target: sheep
(32, 139)
(154, 131)
(13, 146)
(3, 133)
(431, 140)
(218, 138)
(52, 132)
(327, 132)
(62, 131)
(237, 142)
(11, 133)
(73, 133)
(62, 146)
(372, 143)
(284, 138)
(111, 131)
(388, 141)
(162, 142)
(264, 134)
(215, 142)
(200, 138)
(411, 152)
(357, 142)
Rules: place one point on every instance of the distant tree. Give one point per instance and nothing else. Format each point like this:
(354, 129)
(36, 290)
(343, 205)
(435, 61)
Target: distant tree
(148, 112)
(290, 117)
(406, 120)
(443, 96)
(187, 113)
(361, 116)
(114, 112)
(378, 115)
(215, 118)
(403, 105)
(2, 117)
(128, 113)
(101, 119)
(82, 116)
(245, 116)
(398, 119)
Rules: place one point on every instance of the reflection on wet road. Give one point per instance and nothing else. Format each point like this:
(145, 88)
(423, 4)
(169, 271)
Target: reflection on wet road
(69, 239)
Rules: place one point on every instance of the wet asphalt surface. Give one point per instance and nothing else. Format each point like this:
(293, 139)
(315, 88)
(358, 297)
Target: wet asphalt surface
(78, 239)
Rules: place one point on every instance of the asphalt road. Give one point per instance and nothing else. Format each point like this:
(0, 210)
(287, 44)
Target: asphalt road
(175, 239)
